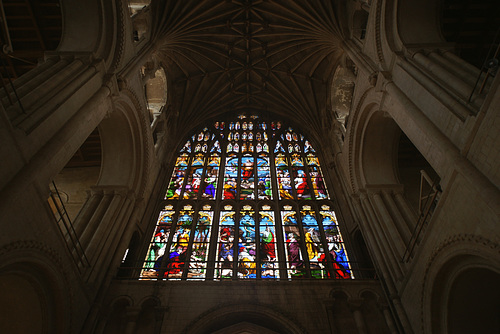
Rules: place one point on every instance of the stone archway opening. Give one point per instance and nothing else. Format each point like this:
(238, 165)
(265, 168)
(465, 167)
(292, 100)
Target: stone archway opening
(474, 302)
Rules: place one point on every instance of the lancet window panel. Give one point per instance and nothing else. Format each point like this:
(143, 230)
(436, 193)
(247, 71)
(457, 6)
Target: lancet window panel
(246, 200)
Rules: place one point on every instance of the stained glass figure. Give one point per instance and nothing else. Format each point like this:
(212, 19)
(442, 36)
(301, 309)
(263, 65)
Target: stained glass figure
(314, 247)
(209, 186)
(264, 187)
(300, 182)
(177, 180)
(215, 147)
(246, 244)
(187, 147)
(336, 251)
(201, 244)
(247, 184)
(180, 241)
(268, 250)
(283, 178)
(230, 177)
(279, 147)
(317, 183)
(158, 244)
(225, 244)
(294, 250)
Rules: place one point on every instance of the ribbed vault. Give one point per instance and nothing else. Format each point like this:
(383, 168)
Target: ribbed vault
(222, 56)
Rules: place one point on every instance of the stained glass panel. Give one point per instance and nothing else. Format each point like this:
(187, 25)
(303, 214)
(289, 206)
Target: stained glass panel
(246, 244)
(220, 174)
(225, 245)
(268, 250)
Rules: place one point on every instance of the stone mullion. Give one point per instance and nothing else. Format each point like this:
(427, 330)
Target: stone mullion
(282, 264)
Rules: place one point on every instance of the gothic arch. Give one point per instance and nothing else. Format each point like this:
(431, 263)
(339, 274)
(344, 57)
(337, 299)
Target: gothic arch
(238, 315)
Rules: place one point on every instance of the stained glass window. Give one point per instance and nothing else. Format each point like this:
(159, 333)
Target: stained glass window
(247, 200)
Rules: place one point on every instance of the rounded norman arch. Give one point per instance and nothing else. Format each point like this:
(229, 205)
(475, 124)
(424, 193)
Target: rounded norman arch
(244, 318)
(461, 291)
(33, 290)
(124, 140)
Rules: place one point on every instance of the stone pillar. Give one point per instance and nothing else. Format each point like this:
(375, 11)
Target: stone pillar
(102, 232)
(409, 217)
(399, 221)
(95, 217)
(467, 69)
(355, 307)
(454, 67)
(387, 225)
(456, 107)
(387, 253)
(439, 145)
(110, 253)
(132, 314)
(45, 89)
(388, 319)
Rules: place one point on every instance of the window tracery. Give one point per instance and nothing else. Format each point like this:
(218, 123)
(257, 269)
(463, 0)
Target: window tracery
(247, 200)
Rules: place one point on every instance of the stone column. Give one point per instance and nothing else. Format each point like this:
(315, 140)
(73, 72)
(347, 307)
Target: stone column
(456, 107)
(387, 253)
(355, 307)
(439, 145)
(439, 72)
(399, 221)
(388, 320)
(131, 316)
(409, 217)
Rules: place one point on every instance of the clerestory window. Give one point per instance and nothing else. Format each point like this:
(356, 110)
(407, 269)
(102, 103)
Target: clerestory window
(247, 200)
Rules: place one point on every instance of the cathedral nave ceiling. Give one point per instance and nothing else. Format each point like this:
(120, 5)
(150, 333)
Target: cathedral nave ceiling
(222, 56)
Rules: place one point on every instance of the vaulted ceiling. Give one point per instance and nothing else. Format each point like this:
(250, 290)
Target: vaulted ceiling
(233, 56)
